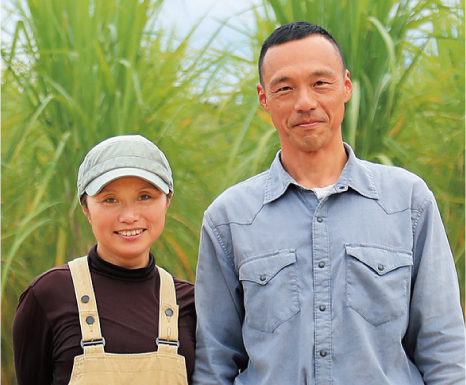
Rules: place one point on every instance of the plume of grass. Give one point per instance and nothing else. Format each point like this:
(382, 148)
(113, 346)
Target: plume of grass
(427, 134)
(75, 73)
(374, 37)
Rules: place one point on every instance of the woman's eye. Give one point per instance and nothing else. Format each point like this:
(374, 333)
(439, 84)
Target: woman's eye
(110, 200)
(144, 197)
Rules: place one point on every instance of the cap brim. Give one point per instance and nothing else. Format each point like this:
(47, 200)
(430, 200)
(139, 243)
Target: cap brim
(100, 182)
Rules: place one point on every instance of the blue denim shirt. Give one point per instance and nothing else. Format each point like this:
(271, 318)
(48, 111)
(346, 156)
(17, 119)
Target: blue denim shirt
(359, 288)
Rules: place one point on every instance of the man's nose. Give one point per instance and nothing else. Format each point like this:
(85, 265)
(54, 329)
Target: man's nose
(305, 100)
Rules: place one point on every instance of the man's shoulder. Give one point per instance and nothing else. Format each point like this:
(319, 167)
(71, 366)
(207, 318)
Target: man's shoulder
(395, 183)
(387, 174)
(240, 200)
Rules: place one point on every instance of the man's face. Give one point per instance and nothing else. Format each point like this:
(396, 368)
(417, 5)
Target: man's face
(305, 88)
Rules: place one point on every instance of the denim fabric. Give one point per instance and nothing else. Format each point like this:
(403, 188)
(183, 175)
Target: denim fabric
(359, 288)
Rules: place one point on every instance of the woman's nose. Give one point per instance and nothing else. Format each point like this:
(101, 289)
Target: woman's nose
(129, 214)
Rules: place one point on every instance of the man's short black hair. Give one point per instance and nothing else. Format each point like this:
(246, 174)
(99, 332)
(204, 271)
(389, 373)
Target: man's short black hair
(295, 31)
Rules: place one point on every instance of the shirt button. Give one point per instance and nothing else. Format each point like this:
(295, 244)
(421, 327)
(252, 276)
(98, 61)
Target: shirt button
(322, 308)
(263, 277)
(381, 267)
(323, 353)
(320, 219)
(321, 265)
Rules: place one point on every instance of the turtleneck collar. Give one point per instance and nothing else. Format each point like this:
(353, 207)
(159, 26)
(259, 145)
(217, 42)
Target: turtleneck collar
(100, 266)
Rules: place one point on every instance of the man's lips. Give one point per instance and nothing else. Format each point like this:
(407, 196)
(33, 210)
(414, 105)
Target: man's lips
(307, 124)
(310, 122)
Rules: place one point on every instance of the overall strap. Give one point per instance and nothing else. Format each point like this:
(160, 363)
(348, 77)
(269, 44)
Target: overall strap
(92, 341)
(167, 340)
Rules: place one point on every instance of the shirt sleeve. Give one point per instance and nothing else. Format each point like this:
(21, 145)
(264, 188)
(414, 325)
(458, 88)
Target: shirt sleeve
(220, 353)
(435, 338)
(32, 342)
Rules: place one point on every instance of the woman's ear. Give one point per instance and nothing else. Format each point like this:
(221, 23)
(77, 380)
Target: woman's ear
(87, 214)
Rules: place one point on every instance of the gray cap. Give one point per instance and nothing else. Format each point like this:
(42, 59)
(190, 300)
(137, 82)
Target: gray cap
(120, 156)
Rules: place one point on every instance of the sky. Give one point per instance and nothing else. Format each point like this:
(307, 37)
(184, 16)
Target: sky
(184, 14)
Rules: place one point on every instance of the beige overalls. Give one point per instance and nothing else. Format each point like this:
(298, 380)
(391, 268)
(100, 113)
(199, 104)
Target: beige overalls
(95, 367)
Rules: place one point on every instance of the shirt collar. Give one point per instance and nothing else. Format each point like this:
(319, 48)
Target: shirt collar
(355, 174)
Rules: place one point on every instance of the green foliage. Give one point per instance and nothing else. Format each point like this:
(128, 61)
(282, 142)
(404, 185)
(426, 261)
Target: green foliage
(374, 37)
(428, 129)
(76, 72)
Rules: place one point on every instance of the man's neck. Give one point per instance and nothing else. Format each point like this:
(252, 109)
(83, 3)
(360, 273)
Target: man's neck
(315, 168)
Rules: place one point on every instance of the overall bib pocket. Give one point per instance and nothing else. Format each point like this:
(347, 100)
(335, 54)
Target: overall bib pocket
(378, 282)
(271, 295)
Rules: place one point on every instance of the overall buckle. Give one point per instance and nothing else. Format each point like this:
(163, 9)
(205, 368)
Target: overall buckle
(93, 342)
(167, 342)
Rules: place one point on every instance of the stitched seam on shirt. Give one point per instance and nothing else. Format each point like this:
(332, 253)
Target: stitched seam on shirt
(420, 211)
(377, 246)
(416, 220)
(392, 212)
(220, 241)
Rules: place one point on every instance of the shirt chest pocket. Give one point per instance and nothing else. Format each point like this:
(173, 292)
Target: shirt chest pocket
(378, 282)
(271, 295)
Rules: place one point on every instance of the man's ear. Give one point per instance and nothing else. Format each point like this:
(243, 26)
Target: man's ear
(348, 86)
(262, 97)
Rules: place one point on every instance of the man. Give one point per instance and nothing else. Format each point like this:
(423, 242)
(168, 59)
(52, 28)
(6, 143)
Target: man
(325, 269)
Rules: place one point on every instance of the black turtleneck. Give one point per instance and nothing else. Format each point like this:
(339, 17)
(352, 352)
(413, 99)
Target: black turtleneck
(100, 266)
(46, 331)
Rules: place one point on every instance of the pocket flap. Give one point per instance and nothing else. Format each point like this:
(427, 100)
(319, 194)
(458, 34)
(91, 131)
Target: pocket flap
(263, 268)
(381, 260)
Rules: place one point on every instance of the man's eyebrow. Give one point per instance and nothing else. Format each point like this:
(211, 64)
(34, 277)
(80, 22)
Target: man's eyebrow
(323, 72)
(279, 80)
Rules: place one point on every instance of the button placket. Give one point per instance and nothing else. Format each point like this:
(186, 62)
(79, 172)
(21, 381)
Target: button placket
(322, 296)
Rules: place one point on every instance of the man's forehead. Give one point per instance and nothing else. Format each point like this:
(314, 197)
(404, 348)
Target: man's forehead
(302, 52)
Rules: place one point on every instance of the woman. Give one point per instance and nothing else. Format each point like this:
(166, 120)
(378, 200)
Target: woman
(96, 319)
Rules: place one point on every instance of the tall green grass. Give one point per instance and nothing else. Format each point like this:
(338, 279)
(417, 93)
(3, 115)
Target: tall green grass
(428, 133)
(75, 73)
(376, 38)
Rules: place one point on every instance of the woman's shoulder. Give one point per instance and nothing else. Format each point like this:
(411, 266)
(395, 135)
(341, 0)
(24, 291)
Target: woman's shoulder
(184, 292)
(182, 282)
(182, 286)
(54, 282)
(51, 276)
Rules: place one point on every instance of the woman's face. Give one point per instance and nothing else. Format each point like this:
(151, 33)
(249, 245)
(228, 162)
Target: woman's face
(127, 216)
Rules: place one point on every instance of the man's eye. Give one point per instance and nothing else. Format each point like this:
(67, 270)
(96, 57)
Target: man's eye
(286, 88)
(144, 197)
(321, 83)
(110, 200)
